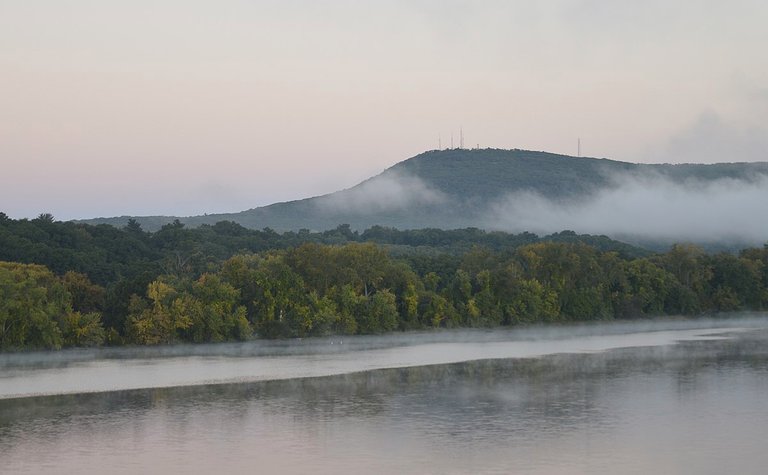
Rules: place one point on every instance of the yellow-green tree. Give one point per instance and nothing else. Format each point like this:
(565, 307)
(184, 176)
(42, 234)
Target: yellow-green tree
(161, 319)
(32, 301)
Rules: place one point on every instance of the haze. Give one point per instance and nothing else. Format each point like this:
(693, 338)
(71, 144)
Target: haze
(171, 107)
(647, 207)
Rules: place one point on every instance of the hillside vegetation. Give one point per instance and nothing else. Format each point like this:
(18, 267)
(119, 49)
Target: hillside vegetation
(454, 189)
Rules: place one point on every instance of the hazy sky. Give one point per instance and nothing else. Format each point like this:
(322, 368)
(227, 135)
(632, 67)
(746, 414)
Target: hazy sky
(187, 106)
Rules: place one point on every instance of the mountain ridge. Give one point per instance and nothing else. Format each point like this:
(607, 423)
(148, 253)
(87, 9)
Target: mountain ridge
(448, 188)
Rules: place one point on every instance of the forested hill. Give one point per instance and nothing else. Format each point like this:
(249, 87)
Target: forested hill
(451, 189)
(491, 173)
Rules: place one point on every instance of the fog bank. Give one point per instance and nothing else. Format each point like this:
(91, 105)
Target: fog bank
(387, 192)
(647, 207)
(99, 371)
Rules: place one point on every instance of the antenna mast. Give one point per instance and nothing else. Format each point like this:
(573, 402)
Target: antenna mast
(578, 147)
(461, 137)
(451, 140)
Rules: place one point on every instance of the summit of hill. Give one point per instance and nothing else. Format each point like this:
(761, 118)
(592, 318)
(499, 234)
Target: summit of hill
(455, 188)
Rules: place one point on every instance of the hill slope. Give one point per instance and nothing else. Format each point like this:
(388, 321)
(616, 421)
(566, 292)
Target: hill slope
(458, 188)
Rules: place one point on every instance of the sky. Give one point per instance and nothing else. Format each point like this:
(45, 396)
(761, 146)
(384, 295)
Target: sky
(185, 107)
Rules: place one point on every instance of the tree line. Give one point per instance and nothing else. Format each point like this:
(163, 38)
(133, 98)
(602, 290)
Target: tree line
(68, 284)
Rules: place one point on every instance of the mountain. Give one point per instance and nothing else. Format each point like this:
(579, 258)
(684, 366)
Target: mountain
(473, 188)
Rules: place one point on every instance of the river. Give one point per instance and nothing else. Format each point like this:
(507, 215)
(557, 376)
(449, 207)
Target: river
(650, 397)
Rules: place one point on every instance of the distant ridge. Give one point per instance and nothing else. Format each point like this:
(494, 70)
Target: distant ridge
(451, 189)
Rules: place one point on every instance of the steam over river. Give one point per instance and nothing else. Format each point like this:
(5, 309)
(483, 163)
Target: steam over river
(674, 397)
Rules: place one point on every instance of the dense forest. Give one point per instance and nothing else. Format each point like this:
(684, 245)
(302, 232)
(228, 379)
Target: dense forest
(72, 284)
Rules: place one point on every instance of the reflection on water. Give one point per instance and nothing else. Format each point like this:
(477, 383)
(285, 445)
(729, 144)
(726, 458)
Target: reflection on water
(78, 371)
(694, 407)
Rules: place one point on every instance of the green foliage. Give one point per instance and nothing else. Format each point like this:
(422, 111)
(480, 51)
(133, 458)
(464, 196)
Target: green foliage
(531, 302)
(692, 271)
(86, 296)
(80, 329)
(215, 314)
(205, 310)
(32, 300)
(646, 289)
(378, 313)
(162, 318)
(226, 283)
(36, 310)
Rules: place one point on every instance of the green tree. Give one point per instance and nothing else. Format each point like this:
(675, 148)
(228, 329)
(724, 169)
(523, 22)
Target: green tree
(87, 297)
(531, 302)
(82, 329)
(212, 306)
(32, 301)
(646, 290)
(686, 262)
(378, 313)
(160, 320)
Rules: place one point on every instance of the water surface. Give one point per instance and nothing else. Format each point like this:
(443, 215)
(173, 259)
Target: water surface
(631, 399)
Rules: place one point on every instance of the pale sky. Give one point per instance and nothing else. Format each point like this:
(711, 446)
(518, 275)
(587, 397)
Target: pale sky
(187, 107)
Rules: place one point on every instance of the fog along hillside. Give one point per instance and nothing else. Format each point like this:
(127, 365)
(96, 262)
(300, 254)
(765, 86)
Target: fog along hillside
(519, 190)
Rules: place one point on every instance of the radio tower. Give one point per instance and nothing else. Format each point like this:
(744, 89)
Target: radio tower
(578, 147)
(461, 138)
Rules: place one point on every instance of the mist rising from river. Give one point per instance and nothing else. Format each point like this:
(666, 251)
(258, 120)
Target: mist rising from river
(695, 406)
(78, 371)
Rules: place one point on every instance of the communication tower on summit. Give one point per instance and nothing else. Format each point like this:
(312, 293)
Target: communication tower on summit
(461, 141)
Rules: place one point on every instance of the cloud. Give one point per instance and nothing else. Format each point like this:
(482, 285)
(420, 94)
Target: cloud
(390, 191)
(649, 207)
(712, 138)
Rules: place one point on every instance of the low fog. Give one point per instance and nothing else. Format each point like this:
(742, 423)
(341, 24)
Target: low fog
(651, 207)
(642, 206)
(390, 191)
(105, 369)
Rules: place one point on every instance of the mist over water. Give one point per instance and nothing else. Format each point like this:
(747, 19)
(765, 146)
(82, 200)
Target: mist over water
(76, 371)
(695, 406)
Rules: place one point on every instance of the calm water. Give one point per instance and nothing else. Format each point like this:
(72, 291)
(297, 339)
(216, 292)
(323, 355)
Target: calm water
(616, 399)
